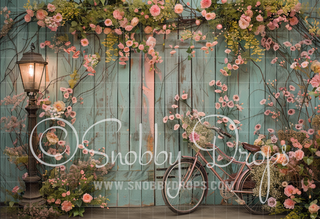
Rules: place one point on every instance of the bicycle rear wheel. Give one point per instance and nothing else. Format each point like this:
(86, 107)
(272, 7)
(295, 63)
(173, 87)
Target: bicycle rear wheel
(252, 202)
(186, 199)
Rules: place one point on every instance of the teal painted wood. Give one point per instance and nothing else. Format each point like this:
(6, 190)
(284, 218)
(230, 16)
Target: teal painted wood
(209, 108)
(135, 104)
(111, 127)
(160, 112)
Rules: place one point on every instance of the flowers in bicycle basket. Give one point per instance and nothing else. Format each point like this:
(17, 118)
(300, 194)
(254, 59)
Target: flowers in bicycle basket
(194, 137)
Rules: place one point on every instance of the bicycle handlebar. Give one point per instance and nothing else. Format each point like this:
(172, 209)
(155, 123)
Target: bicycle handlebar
(226, 134)
(220, 132)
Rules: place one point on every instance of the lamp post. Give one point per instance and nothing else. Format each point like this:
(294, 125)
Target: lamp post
(31, 68)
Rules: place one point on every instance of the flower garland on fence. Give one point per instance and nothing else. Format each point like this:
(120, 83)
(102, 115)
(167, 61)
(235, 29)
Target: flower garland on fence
(239, 21)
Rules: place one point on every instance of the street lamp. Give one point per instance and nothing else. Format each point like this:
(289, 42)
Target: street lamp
(31, 68)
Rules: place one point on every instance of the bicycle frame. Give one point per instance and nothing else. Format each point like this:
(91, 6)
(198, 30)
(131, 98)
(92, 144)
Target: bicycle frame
(237, 178)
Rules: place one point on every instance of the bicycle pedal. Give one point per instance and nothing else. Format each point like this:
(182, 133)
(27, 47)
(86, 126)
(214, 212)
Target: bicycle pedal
(240, 201)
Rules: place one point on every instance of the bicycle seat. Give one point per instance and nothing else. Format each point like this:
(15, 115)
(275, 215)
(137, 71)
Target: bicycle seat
(250, 147)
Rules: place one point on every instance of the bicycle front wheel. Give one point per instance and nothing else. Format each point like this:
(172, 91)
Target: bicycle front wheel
(186, 198)
(252, 202)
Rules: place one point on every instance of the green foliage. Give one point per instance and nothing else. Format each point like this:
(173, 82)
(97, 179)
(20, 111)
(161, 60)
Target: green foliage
(74, 79)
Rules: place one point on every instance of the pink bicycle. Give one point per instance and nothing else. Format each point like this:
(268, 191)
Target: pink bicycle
(194, 181)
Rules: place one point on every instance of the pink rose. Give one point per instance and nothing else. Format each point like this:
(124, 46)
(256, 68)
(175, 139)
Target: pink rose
(51, 7)
(299, 154)
(205, 3)
(288, 203)
(41, 14)
(30, 12)
(87, 198)
(134, 21)
(179, 8)
(259, 18)
(27, 18)
(98, 29)
(315, 82)
(84, 42)
(155, 10)
(313, 209)
(117, 15)
(210, 16)
(128, 28)
(288, 191)
(193, 137)
(184, 96)
(141, 47)
(165, 119)
(108, 22)
(41, 23)
(176, 126)
(66, 206)
(118, 31)
(294, 21)
(243, 23)
(58, 202)
(151, 42)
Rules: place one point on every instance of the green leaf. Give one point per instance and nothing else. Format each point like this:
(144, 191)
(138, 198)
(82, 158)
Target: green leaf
(41, 5)
(62, 189)
(91, 2)
(78, 202)
(81, 211)
(74, 24)
(288, 147)
(308, 160)
(11, 204)
(314, 202)
(75, 213)
(312, 150)
(296, 200)
(313, 216)
(103, 1)
(301, 170)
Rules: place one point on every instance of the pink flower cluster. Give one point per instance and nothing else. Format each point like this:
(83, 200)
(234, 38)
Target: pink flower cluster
(310, 185)
(208, 16)
(235, 66)
(245, 20)
(193, 137)
(269, 43)
(90, 62)
(53, 22)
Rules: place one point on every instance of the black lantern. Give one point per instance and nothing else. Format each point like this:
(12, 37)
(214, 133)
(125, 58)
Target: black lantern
(31, 68)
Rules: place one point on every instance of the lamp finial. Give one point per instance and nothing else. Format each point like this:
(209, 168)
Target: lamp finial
(32, 47)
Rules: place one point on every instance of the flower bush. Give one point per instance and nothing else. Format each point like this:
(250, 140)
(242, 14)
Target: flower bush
(69, 191)
(293, 174)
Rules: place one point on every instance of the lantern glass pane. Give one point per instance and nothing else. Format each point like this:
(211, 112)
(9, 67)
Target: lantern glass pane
(38, 75)
(28, 76)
